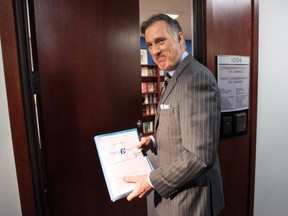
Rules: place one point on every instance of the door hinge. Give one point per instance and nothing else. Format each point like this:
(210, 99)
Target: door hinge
(36, 82)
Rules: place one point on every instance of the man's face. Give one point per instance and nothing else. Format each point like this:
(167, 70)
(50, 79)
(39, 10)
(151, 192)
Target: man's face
(165, 48)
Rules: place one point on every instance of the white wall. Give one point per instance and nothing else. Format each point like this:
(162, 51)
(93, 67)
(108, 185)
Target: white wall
(9, 194)
(271, 188)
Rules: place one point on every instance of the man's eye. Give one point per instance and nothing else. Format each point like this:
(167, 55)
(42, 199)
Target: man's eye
(161, 41)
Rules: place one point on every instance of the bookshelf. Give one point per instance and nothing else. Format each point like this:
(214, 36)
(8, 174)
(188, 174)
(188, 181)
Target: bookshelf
(151, 82)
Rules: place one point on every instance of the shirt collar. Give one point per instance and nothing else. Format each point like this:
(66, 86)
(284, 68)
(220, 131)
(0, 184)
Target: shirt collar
(184, 54)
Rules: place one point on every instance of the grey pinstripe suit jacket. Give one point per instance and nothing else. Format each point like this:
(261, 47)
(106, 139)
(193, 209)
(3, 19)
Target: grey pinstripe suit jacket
(187, 178)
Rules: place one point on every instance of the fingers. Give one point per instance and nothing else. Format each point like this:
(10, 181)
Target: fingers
(142, 187)
(130, 179)
(144, 142)
(141, 195)
(145, 193)
(132, 195)
(137, 193)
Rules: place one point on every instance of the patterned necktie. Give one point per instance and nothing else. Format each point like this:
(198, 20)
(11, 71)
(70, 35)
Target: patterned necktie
(165, 83)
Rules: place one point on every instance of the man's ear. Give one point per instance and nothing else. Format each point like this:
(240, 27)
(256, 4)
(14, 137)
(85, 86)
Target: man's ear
(180, 36)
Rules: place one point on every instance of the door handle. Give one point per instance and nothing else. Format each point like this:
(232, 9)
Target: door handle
(139, 124)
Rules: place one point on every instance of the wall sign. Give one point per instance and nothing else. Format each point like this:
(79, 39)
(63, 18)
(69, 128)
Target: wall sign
(233, 81)
(143, 56)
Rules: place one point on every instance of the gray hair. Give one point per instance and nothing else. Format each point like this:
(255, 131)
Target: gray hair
(173, 24)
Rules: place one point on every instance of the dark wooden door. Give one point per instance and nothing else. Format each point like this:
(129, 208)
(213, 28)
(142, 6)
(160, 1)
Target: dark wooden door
(87, 55)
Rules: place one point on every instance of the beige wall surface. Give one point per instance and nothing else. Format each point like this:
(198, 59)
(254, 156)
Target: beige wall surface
(9, 194)
(271, 191)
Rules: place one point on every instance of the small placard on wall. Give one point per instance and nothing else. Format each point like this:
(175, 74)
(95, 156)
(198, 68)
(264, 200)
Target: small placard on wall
(233, 75)
(144, 56)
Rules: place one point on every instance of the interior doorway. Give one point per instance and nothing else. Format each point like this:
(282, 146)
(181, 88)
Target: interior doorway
(182, 11)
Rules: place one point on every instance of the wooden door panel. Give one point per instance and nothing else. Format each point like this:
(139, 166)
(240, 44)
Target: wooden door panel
(231, 29)
(88, 61)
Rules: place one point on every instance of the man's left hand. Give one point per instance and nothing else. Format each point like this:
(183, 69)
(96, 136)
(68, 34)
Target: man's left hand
(142, 188)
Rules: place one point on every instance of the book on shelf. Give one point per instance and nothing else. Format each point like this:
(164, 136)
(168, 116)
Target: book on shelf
(152, 87)
(144, 71)
(149, 87)
(149, 110)
(144, 87)
(146, 99)
(152, 71)
(155, 98)
(161, 73)
(152, 109)
(148, 127)
(148, 71)
(144, 111)
(150, 98)
(119, 157)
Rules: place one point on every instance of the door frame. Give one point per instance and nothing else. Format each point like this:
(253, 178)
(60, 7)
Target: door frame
(26, 144)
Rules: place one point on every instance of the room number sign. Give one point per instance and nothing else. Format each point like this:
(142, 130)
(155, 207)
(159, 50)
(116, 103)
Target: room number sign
(233, 75)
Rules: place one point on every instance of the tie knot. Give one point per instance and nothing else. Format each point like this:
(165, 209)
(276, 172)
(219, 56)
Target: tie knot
(167, 77)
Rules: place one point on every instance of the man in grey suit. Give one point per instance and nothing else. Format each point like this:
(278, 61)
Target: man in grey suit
(187, 178)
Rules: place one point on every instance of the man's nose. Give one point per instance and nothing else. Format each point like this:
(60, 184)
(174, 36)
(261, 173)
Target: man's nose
(155, 49)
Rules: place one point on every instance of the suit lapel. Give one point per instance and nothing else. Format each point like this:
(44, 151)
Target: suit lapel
(171, 85)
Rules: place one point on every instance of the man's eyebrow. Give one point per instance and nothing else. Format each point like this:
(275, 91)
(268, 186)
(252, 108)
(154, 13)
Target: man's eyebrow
(160, 39)
(148, 43)
(156, 40)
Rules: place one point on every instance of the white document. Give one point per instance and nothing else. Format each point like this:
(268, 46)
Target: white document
(120, 157)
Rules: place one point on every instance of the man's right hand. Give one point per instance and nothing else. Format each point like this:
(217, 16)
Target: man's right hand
(145, 143)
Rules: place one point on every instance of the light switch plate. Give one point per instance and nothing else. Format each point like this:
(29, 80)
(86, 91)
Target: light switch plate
(227, 125)
(241, 122)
